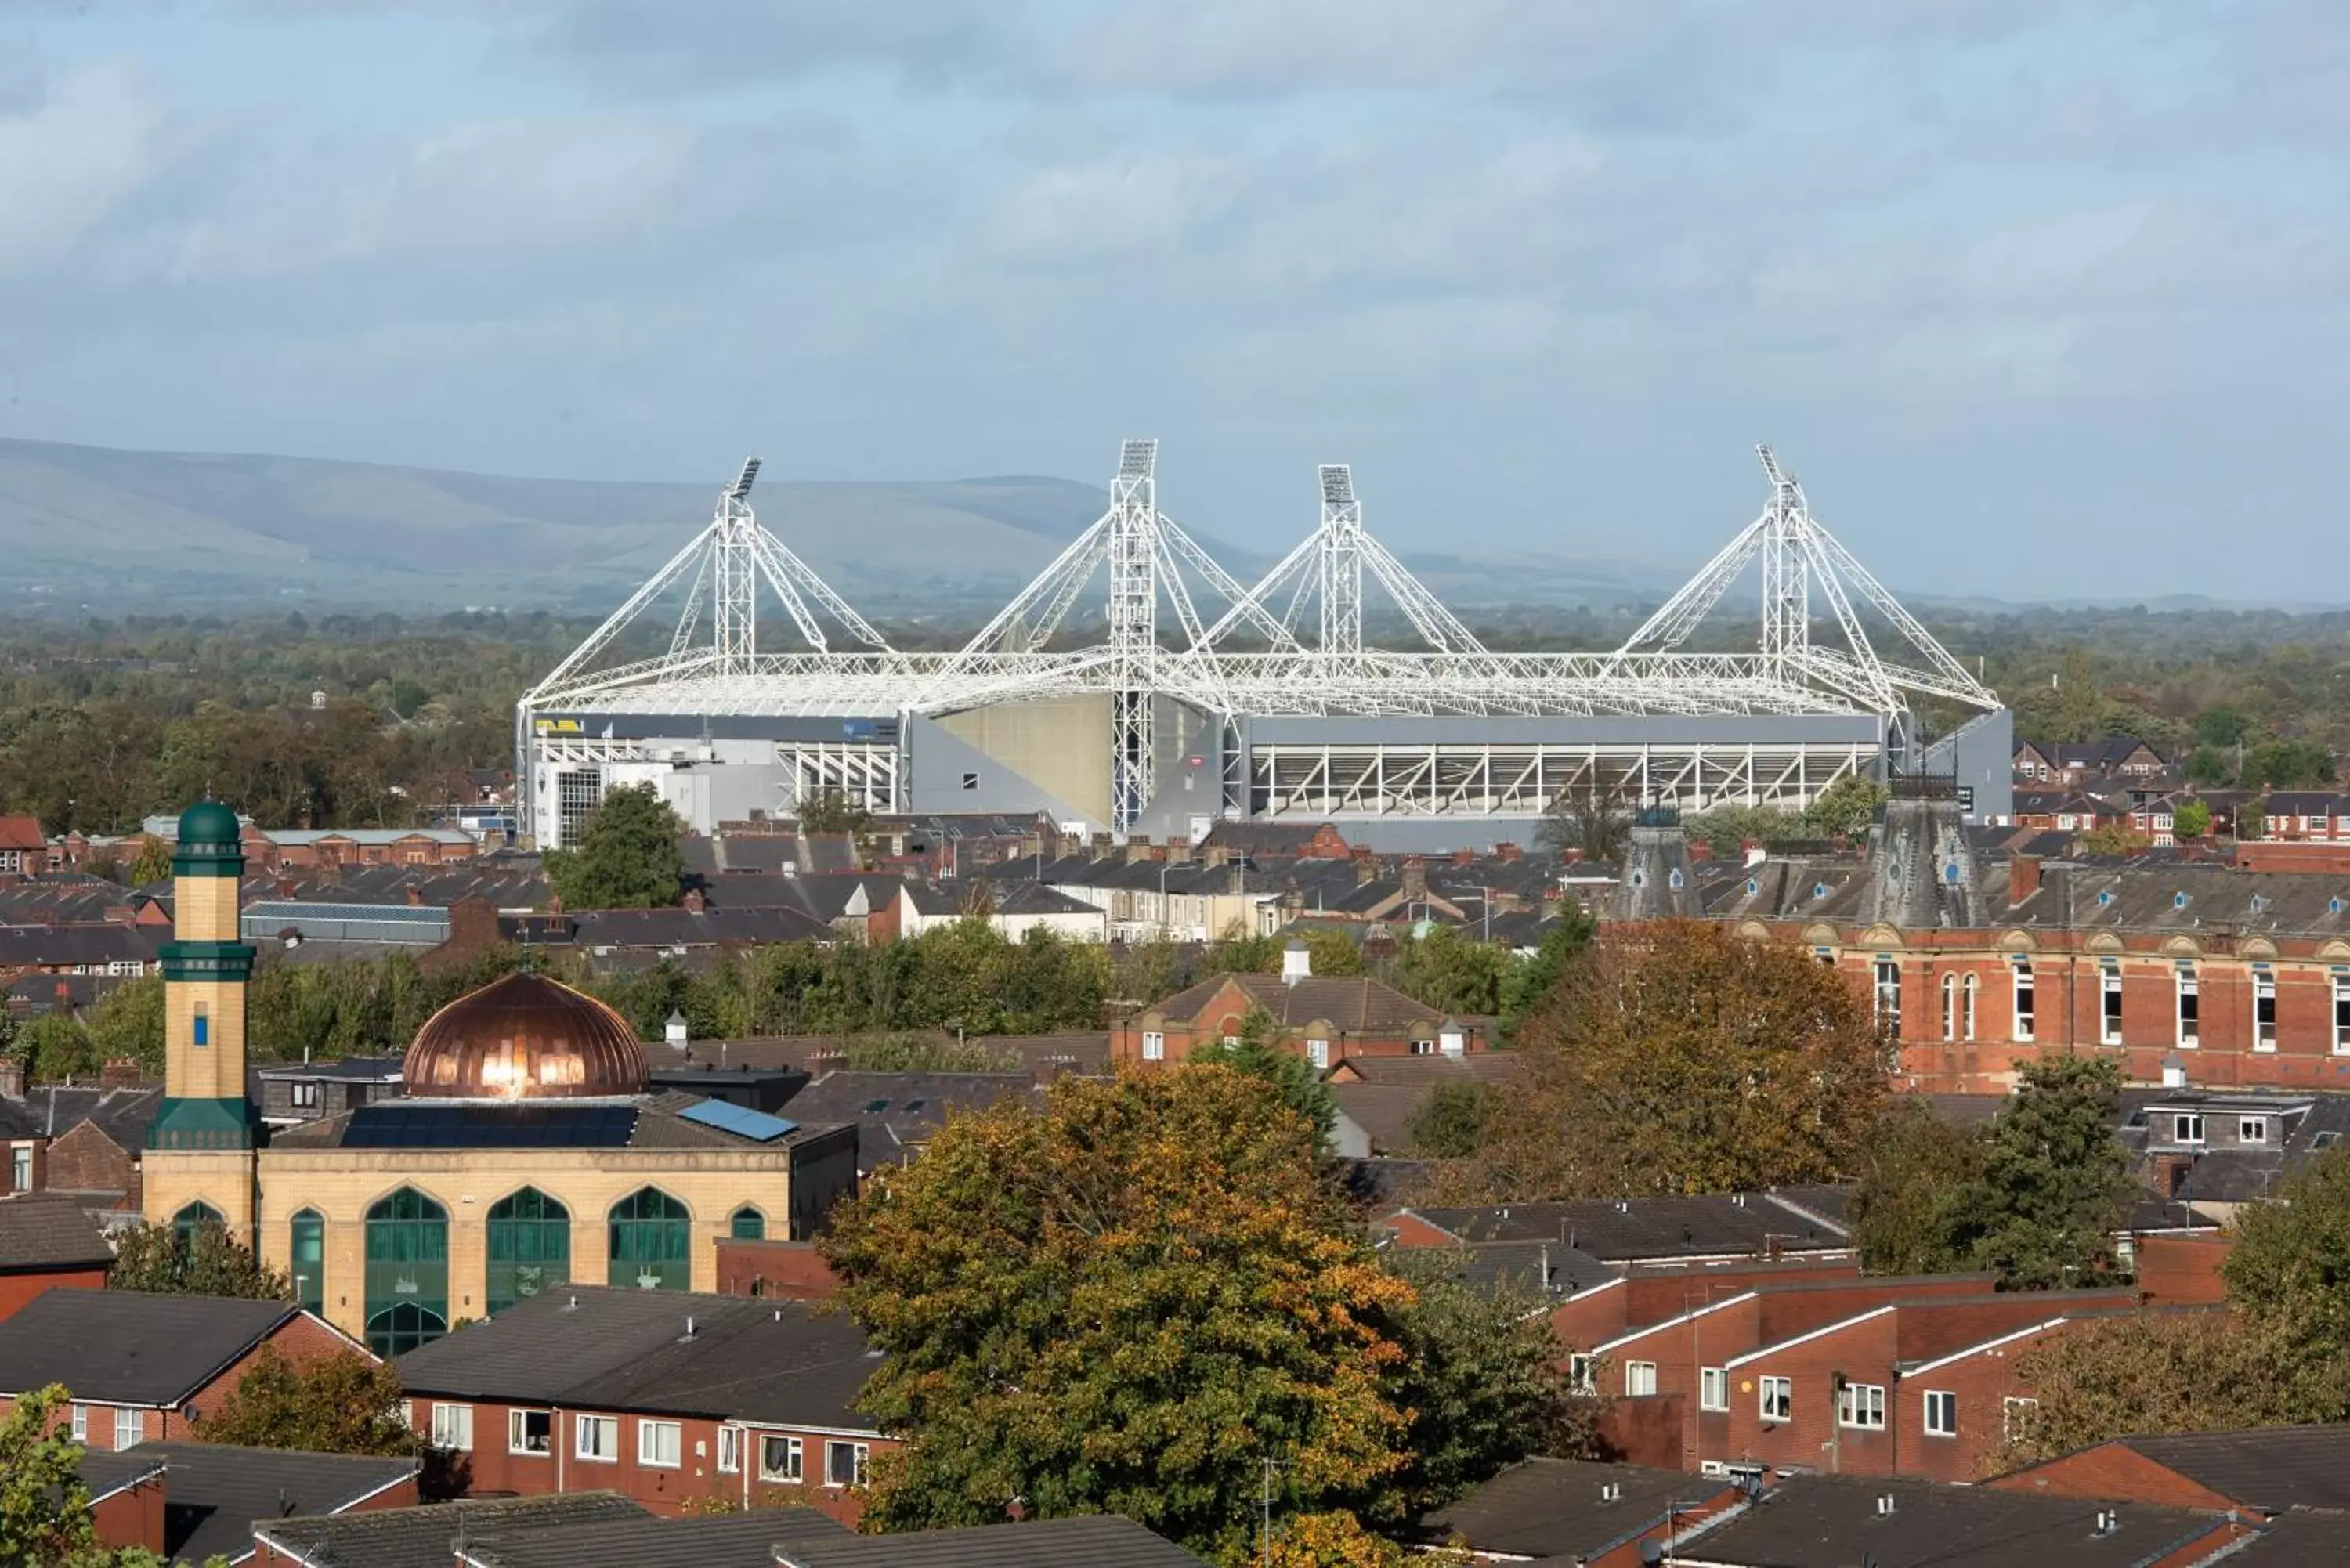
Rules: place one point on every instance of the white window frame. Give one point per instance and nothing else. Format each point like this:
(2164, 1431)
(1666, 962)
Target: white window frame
(1582, 1374)
(129, 1428)
(518, 1433)
(859, 1456)
(2010, 1410)
(2252, 1129)
(1317, 1052)
(2265, 1010)
(1775, 1399)
(453, 1427)
(2024, 1000)
(81, 1423)
(2187, 994)
(1885, 977)
(1860, 1406)
(2187, 1127)
(794, 1452)
(1968, 987)
(1713, 1388)
(1942, 1403)
(730, 1450)
(649, 1435)
(2342, 1015)
(306, 1094)
(1639, 1379)
(1154, 1045)
(2109, 1005)
(1950, 1007)
(596, 1438)
(1423, 1047)
(20, 1168)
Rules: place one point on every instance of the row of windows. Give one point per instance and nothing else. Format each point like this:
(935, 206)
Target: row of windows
(649, 1246)
(660, 1444)
(1959, 1005)
(129, 1426)
(1860, 1406)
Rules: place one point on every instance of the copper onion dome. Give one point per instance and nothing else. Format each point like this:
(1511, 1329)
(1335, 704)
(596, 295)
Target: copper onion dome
(524, 1037)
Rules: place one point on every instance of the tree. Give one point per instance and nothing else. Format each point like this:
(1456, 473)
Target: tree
(2251, 821)
(2195, 1372)
(128, 1024)
(154, 864)
(829, 811)
(1915, 1172)
(346, 1403)
(2114, 838)
(926, 1053)
(54, 1047)
(44, 1507)
(1726, 829)
(1257, 1053)
(2219, 727)
(1847, 807)
(2287, 764)
(1125, 1302)
(2290, 1268)
(2055, 1181)
(1451, 1122)
(2192, 819)
(1451, 973)
(1593, 822)
(1677, 1058)
(1531, 983)
(628, 857)
(210, 1262)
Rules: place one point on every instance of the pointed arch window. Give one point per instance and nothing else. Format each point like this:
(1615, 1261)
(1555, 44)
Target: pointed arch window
(307, 1253)
(194, 1218)
(652, 1245)
(748, 1225)
(529, 1247)
(407, 1272)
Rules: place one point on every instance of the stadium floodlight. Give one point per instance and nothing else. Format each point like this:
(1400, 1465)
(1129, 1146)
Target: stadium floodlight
(741, 489)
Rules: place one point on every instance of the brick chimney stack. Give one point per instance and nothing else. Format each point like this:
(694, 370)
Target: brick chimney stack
(2023, 878)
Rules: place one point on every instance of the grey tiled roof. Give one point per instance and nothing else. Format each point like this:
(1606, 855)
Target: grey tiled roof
(1559, 1508)
(126, 1347)
(48, 1230)
(213, 1492)
(751, 1539)
(585, 1347)
(424, 1537)
(2271, 1470)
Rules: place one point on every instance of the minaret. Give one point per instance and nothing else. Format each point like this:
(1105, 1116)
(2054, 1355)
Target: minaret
(199, 1149)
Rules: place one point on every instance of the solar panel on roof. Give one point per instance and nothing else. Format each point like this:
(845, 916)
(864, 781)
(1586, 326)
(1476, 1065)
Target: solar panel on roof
(491, 1127)
(756, 1126)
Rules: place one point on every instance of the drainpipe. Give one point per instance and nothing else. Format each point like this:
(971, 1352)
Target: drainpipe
(554, 1437)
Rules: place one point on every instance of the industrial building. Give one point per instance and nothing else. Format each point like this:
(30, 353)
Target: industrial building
(1136, 688)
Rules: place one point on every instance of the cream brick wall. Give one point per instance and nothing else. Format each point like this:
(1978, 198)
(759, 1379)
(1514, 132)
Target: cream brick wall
(342, 1184)
(204, 908)
(170, 1179)
(210, 1072)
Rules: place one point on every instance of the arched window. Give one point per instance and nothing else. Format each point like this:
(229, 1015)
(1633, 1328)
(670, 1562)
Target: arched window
(651, 1243)
(1966, 1010)
(194, 1218)
(1950, 1007)
(308, 1255)
(748, 1225)
(530, 1247)
(407, 1272)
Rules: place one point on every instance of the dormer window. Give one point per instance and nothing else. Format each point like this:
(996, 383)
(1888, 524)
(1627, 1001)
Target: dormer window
(2104, 898)
(2178, 900)
(1819, 889)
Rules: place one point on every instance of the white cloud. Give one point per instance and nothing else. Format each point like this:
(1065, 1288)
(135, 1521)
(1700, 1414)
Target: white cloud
(75, 157)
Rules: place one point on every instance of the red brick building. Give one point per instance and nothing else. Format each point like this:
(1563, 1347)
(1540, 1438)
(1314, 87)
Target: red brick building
(2257, 1475)
(193, 1503)
(662, 1397)
(785, 1270)
(24, 849)
(1326, 1021)
(47, 1243)
(143, 1368)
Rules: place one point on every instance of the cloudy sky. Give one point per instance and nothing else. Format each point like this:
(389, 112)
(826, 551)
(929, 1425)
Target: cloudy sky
(2039, 296)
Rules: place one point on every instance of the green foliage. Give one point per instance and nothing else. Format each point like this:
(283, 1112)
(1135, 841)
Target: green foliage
(2190, 819)
(210, 1262)
(355, 1007)
(1725, 830)
(128, 1022)
(833, 811)
(346, 1403)
(1125, 1302)
(2218, 727)
(154, 864)
(1451, 972)
(926, 1053)
(56, 1046)
(2055, 1181)
(2252, 821)
(1258, 1053)
(1530, 982)
(628, 857)
(2114, 838)
(2290, 1268)
(44, 1507)
(1917, 1175)
(1846, 809)
(2210, 767)
(2287, 764)
(1451, 1122)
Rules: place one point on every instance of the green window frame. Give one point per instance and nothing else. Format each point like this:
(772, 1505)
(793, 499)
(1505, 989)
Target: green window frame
(194, 1218)
(407, 1272)
(529, 1248)
(307, 1255)
(747, 1225)
(651, 1243)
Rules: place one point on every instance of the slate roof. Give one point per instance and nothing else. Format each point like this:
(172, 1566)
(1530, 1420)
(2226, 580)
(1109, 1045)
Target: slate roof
(105, 1472)
(585, 1347)
(1355, 1004)
(125, 1347)
(1557, 1508)
(1541, 1269)
(52, 1111)
(752, 1539)
(660, 1124)
(1424, 1072)
(41, 1230)
(896, 1111)
(213, 1493)
(1832, 1522)
(730, 925)
(423, 1537)
(80, 942)
(2298, 1540)
(346, 1069)
(1705, 1226)
(2271, 1470)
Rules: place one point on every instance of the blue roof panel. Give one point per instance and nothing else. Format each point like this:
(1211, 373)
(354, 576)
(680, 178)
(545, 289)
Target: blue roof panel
(756, 1126)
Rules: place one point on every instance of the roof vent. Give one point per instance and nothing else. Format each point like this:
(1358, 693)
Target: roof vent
(1611, 1492)
(689, 1326)
(2109, 1520)
(571, 1305)
(1885, 1505)
(1296, 963)
(1623, 1206)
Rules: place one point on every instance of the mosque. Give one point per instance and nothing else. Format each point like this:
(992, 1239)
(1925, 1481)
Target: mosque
(527, 1150)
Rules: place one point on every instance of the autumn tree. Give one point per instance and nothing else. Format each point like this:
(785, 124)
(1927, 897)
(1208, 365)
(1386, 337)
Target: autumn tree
(1530, 984)
(2116, 838)
(1675, 1057)
(154, 864)
(44, 1507)
(346, 1403)
(1908, 1209)
(208, 1262)
(2290, 1268)
(1450, 1121)
(1126, 1303)
(627, 856)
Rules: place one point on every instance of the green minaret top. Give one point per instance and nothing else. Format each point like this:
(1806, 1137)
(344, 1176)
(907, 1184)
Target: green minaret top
(210, 842)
